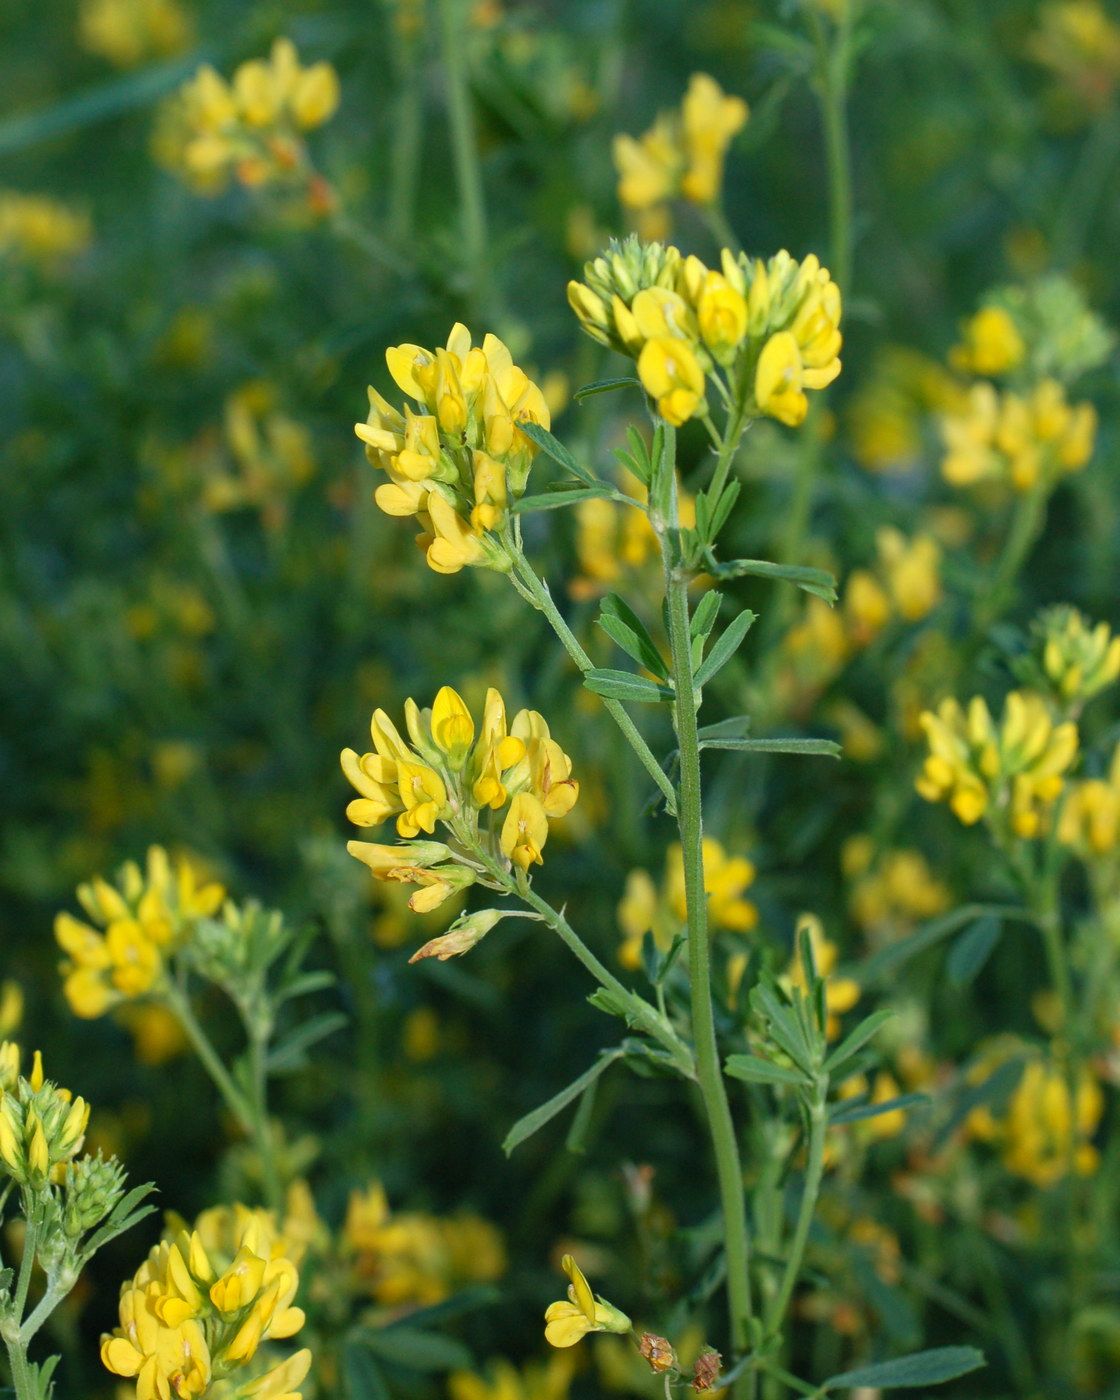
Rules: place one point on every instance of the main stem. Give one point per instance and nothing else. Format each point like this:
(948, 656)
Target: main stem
(690, 820)
(21, 1371)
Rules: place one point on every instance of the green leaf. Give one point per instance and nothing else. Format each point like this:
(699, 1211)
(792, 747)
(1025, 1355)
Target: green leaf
(856, 1112)
(563, 495)
(291, 1053)
(703, 620)
(604, 386)
(720, 510)
(910, 1372)
(889, 960)
(735, 727)
(819, 582)
(824, 748)
(756, 1070)
(638, 458)
(623, 625)
(783, 1027)
(557, 451)
(416, 1349)
(724, 647)
(364, 1380)
(857, 1039)
(576, 1141)
(624, 685)
(525, 1127)
(972, 949)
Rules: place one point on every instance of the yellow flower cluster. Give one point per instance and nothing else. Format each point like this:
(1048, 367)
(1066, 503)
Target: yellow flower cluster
(645, 909)
(458, 463)
(1025, 441)
(127, 32)
(411, 1259)
(893, 890)
(568, 1322)
(1040, 1135)
(144, 916)
(39, 230)
(906, 584)
(681, 156)
(764, 333)
(271, 455)
(1078, 42)
(201, 1304)
(42, 1126)
(1090, 818)
(991, 344)
(1012, 771)
(452, 772)
(251, 128)
(1075, 659)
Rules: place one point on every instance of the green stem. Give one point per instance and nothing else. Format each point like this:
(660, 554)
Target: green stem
(211, 1061)
(535, 590)
(258, 1065)
(1027, 521)
(464, 146)
(46, 1305)
(21, 1371)
(408, 127)
(721, 231)
(814, 1171)
(368, 243)
(27, 1261)
(728, 447)
(835, 62)
(690, 821)
(636, 1008)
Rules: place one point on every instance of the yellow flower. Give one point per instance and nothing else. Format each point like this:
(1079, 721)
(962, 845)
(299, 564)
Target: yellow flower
(1022, 442)
(644, 909)
(893, 892)
(1015, 771)
(144, 917)
(682, 154)
(39, 230)
(524, 831)
(1042, 1135)
(911, 570)
(1090, 817)
(991, 345)
(127, 32)
(671, 375)
(567, 1323)
(779, 380)
(457, 464)
(42, 1126)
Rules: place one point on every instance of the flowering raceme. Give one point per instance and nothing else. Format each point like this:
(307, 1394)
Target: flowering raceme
(42, 1126)
(451, 774)
(250, 129)
(1013, 770)
(760, 333)
(458, 463)
(201, 1305)
(1024, 441)
(145, 916)
(682, 154)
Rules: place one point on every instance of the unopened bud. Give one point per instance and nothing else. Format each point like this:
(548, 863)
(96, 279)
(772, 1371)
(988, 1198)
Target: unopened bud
(461, 937)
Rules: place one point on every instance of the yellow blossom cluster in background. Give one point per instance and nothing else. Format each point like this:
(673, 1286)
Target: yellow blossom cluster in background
(203, 1303)
(644, 908)
(680, 157)
(128, 32)
(1022, 441)
(615, 542)
(891, 890)
(1080, 44)
(991, 344)
(1090, 816)
(1040, 1134)
(39, 230)
(1014, 770)
(269, 455)
(134, 925)
(459, 463)
(906, 584)
(250, 129)
(413, 1259)
(759, 334)
(887, 412)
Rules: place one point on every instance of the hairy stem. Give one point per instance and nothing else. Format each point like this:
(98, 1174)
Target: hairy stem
(713, 1091)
